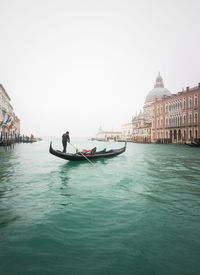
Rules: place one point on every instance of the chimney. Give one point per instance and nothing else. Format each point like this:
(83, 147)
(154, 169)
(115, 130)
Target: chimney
(199, 86)
(187, 89)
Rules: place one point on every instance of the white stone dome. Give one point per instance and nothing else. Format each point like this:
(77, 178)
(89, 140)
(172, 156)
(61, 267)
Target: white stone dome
(158, 91)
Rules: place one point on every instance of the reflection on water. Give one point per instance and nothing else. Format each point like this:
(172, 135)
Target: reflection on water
(122, 210)
(8, 188)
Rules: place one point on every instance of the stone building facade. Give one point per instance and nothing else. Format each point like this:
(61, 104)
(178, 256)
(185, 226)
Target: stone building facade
(9, 122)
(108, 135)
(127, 131)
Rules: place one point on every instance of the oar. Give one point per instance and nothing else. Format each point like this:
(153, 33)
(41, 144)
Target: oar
(82, 154)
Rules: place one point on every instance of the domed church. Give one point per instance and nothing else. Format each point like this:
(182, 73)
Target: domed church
(158, 91)
(142, 123)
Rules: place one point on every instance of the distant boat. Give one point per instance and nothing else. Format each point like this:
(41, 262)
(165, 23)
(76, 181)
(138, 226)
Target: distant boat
(192, 144)
(79, 157)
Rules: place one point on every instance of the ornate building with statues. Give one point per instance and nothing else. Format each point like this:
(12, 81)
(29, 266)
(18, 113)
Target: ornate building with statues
(142, 123)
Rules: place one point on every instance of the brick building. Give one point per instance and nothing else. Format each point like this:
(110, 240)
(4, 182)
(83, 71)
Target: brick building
(176, 118)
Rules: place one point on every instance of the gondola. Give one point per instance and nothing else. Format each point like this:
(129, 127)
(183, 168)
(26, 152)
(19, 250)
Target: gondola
(79, 157)
(192, 144)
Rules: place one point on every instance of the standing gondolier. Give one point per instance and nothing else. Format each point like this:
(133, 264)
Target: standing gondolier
(65, 139)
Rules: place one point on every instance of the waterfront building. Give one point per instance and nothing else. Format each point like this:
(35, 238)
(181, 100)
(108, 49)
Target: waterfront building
(176, 118)
(141, 128)
(156, 93)
(16, 128)
(127, 131)
(108, 135)
(142, 123)
(9, 123)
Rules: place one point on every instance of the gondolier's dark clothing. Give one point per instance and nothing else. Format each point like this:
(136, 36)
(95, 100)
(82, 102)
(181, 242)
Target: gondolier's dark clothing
(65, 139)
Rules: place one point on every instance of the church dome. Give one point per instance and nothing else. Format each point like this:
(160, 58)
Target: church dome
(158, 92)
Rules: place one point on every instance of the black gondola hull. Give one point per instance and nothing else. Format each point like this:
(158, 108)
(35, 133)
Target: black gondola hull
(79, 157)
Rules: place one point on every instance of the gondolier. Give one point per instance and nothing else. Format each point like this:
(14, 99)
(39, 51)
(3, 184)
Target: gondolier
(65, 139)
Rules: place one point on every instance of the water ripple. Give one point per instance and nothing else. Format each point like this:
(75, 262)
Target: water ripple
(137, 213)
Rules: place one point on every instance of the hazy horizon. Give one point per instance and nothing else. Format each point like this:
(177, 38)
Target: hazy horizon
(79, 65)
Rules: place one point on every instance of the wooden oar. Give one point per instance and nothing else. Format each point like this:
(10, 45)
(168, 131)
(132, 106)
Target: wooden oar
(82, 154)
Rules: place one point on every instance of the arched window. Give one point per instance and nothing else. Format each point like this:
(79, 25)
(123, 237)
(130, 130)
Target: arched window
(190, 102)
(190, 118)
(195, 100)
(190, 133)
(196, 118)
(196, 133)
(161, 108)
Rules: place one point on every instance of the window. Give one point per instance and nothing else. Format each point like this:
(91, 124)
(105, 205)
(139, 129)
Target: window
(190, 134)
(184, 119)
(166, 122)
(196, 118)
(195, 100)
(184, 134)
(178, 121)
(190, 118)
(184, 104)
(196, 133)
(190, 102)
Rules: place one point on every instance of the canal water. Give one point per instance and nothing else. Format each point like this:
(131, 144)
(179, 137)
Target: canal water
(137, 213)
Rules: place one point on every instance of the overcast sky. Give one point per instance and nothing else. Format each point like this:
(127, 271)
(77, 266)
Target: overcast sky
(78, 65)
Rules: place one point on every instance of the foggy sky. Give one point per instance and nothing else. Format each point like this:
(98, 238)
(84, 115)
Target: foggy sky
(79, 65)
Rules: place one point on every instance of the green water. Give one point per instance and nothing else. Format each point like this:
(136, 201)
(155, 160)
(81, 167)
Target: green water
(137, 213)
